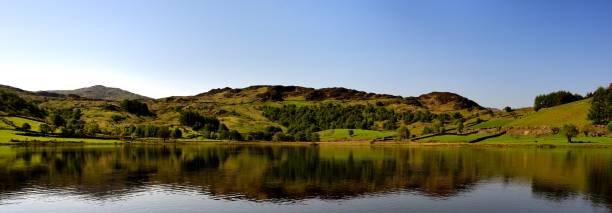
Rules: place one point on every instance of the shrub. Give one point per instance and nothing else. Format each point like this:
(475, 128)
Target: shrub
(555, 130)
(26, 127)
(610, 126)
(135, 107)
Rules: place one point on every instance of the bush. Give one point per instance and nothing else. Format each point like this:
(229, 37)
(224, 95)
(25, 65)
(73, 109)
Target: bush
(26, 127)
(610, 126)
(555, 130)
(507, 109)
(136, 107)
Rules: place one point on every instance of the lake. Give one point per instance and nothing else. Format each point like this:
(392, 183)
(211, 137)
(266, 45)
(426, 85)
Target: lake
(303, 178)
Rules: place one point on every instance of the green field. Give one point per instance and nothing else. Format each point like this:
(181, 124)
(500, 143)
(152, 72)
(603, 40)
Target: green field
(454, 138)
(493, 123)
(574, 113)
(358, 134)
(20, 121)
(551, 139)
(7, 135)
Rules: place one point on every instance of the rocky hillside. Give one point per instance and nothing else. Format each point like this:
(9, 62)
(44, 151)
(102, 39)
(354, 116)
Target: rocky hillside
(98, 92)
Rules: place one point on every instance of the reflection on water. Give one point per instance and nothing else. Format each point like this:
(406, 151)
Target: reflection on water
(293, 175)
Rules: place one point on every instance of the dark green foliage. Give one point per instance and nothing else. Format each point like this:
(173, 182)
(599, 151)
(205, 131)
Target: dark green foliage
(555, 99)
(570, 131)
(13, 104)
(198, 122)
(351, 132)
(57, 119)
(507, 109)
(266, 135)
(118, 118)
(45, 129)
(234, 135)
(26, 127)
(69, 121)
(176, 133)
(601, 106)
(163, 132)
(327, 116)
(459, 126)
(148, 131)
(610, 126)
(427, 130)
(136, 107)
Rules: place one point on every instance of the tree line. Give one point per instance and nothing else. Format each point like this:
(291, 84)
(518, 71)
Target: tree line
(307, 119)
(555, 99)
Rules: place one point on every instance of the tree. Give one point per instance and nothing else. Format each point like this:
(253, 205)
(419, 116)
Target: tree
(235, 135)
(404, 133)
(57, 120)
(177, 133)
(26, 127)
(45, 129)
(91, 129)
(507, 109)
(163, 133)
(570, 131)
(351, 132)
(459, 126)
(601, 106)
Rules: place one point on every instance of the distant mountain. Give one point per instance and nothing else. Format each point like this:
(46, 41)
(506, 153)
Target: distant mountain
(98, 92)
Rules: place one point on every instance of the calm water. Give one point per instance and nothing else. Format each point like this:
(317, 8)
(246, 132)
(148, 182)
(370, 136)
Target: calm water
(258, 178)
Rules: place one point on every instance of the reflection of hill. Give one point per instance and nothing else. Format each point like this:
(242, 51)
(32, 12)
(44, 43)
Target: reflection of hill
(281, 173)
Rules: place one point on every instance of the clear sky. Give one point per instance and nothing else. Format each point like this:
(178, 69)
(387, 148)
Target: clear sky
(495, 52)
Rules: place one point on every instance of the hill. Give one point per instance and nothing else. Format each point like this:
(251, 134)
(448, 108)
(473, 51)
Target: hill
(98, 92)
(241, 109)
(574, 113)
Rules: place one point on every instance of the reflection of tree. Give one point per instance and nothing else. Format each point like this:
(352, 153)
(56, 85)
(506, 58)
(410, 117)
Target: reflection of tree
(270, 173)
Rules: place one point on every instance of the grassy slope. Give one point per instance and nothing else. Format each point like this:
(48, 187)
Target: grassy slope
(553, 139)
(358, 134)
(495, 122)
(453, 138)
(575, 113)
(7, 135)
(20, 121)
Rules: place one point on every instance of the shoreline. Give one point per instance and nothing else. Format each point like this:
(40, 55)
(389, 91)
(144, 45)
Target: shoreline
(324, 143)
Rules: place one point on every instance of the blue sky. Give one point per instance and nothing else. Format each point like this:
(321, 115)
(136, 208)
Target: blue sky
(495, 52)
